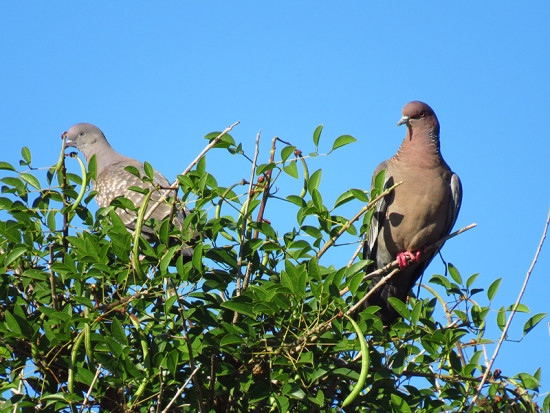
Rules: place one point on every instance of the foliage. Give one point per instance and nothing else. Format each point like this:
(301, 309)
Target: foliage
(255, 322)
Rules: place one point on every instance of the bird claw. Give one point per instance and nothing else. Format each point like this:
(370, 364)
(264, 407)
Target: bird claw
(403, 257)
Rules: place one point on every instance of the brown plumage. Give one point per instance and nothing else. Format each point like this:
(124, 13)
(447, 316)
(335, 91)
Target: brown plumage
(417, 213)
(114, 181)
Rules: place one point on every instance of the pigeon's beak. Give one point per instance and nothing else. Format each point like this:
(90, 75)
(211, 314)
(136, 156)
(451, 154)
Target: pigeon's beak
(404, 119)
(69, 142)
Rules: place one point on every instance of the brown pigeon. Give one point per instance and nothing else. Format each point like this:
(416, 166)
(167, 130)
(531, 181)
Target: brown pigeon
(417, 213)
(113, 181)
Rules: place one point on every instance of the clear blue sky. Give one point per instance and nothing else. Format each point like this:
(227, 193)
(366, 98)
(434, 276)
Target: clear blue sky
(157, 76)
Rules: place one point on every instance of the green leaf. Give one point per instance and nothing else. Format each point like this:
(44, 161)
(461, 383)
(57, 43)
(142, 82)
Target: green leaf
(282, 404)
(12, 323)
(415, 314)
(532, 322)
(148, 169)
(118, 332)
(343, 140)
(230, 339)
(197, 257)
(501, 318)
(379, 183)
(239, 306)
(287, 151)
(454, 273)
(287, 281)
(291, 169)
(317, 200)
(317, 135)
(6, 166)
(399, 306)
(342, 199)
(26, 154)
(30, 179)
(493, 289)
(314, 180)
(296, 200)
(528, 381)
(14, 254)
(471, 280)
(360, 195)
(522, 308)
(399, 404)
(264, 168)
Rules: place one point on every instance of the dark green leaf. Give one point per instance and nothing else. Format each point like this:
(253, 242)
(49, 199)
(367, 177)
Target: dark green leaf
(230, 339)
(240, 307)
(12, 323)
(118, 332)
(532, 322)
(399, 404)
(197, 257)
(399, 306)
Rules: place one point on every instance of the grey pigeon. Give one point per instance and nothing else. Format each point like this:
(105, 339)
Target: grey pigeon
(417, 213)
(114, 181)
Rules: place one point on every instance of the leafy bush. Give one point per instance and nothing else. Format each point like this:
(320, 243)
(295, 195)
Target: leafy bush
(255, 322)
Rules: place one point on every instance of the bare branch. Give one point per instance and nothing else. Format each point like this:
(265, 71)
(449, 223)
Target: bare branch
(516, 305)
(175, 184)
(180, 390)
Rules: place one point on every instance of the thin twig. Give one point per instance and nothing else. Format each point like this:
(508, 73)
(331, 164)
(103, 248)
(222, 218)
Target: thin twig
(395, 264)
(53, 280)
(315, 332)
(516, 305)
(355, 254)
(245, 214)
(180, 390)
(91, 388)
(175, 184)
(161, 390)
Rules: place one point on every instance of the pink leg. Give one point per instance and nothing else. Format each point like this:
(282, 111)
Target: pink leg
(403, 257)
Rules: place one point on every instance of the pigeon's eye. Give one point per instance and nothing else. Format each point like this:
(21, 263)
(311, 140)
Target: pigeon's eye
(422, 115)
(81, 134)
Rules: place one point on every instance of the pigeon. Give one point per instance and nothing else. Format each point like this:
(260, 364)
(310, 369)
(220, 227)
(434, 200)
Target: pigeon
(113, 181)
(419, 212)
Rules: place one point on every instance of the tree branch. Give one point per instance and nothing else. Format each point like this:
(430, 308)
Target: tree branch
(516, 305)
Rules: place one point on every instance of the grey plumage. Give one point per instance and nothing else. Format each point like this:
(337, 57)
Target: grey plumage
(113, 180)
(417, 213)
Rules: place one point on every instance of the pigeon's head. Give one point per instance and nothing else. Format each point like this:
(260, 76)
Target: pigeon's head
(86, 138)
(416, 112)
(419, 116)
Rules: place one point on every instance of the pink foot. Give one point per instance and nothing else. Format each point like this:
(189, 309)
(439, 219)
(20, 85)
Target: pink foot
(403, 257)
